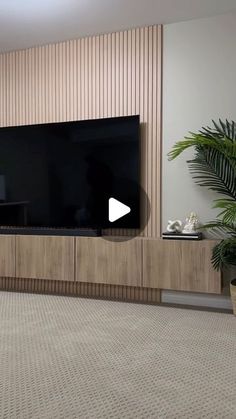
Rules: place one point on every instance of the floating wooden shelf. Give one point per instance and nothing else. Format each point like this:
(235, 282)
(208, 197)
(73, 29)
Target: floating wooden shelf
(107, 268)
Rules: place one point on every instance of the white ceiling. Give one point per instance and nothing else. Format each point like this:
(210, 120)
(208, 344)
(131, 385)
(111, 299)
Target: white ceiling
(25, 23)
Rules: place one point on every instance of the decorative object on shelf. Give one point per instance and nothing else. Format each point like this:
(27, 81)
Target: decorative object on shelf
(191, 224)
(174, 229)
(214, 166)
(174, 226)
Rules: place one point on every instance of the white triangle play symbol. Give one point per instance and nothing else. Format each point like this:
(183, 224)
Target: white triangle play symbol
(117, 210)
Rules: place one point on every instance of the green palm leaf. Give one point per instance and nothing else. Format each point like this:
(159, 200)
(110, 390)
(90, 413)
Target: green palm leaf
(214, 167)
(223, 145)
(221, 130)
(228, 213)
(211, 169)
(220, 227)
(224, 253)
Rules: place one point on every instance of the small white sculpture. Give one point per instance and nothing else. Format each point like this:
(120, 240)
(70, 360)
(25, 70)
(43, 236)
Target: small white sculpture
(191, 224)
(174, 226)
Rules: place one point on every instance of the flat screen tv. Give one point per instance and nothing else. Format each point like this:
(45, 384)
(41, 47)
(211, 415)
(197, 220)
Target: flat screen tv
(62, 175)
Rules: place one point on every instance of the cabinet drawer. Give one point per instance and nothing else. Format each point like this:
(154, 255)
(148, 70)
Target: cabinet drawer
(180, 265)
(45, 257)
(108, 262)
(7, 256)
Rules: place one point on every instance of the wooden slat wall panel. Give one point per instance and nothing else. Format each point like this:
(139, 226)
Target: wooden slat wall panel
(114, 292)
(95, 77)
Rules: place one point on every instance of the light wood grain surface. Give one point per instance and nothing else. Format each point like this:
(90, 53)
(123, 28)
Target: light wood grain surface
(108, 262)
(45, 257)
(7, 256)
(118, 266)
(180, 265)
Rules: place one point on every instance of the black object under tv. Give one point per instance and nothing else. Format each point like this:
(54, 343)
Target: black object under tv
(182, 236)
(61, 175)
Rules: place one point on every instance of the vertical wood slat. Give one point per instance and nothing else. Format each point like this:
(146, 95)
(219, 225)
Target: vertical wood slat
(114, 292)
(95, 77)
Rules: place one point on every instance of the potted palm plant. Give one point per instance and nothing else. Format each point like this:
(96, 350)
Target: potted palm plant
(214, 167)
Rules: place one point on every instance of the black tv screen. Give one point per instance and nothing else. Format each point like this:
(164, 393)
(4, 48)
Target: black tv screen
(62, 175)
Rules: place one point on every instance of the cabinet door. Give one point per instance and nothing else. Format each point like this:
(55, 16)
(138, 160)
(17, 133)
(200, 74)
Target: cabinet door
(7, 256)
(108, 262)
(180, 265)
(45, 257)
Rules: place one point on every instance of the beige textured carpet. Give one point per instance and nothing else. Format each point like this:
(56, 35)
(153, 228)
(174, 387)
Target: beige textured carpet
(63, 357)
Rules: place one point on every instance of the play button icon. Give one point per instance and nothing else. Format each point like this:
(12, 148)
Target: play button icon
(117, 210)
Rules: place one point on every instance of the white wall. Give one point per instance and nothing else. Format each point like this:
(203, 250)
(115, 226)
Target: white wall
(199, 85)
